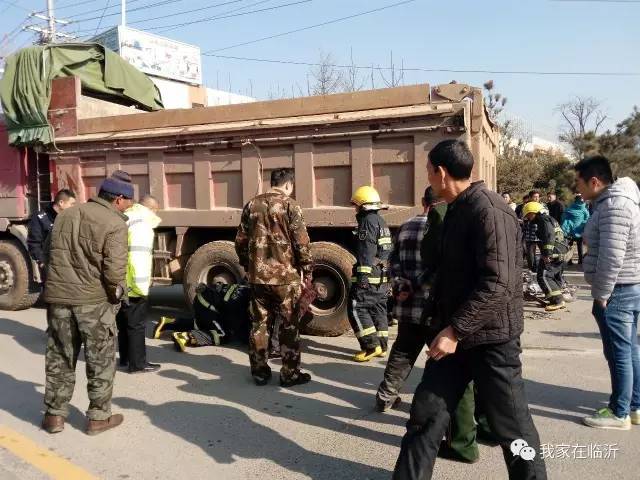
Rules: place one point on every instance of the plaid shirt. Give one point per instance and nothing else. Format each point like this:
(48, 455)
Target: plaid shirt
(406, 263)
(530, 232)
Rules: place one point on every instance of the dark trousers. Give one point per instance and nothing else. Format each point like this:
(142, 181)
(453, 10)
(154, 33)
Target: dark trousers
(550, 279)
(368, 315)
(497, 373)
(461, 435)
(131, 321)
(531, 249)
(579, 245)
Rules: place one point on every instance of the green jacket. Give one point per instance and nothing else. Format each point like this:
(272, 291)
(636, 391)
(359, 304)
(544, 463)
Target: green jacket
(87, 255)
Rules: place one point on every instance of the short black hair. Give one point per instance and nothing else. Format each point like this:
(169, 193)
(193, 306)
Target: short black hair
(281, 176)
(506, 193)
(533, 192)
(429, 196)
(454, 156)
(597, 166)
(63, 195)
(108, 196)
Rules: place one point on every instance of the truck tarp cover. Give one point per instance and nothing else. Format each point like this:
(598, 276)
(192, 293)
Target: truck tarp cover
(25, 89)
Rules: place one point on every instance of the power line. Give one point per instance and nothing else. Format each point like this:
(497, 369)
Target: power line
(165, 28)
(129, 2)
(100, 21)
(75, 4)
(433, 70)
(191, 11)
(329, 22)
(13, 4)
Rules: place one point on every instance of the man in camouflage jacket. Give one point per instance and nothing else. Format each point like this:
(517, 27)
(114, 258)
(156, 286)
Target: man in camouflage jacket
(273, 247)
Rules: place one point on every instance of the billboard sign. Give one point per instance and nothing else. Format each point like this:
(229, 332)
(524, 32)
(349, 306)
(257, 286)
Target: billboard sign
(155, 55)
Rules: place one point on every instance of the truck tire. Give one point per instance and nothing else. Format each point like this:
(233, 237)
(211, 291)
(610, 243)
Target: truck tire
(16, 292)
(327, 316)
(212, 262)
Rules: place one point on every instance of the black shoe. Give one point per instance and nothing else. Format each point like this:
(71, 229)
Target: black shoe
(261, 379)
(447, 452)
(298, 379)
(148, 368)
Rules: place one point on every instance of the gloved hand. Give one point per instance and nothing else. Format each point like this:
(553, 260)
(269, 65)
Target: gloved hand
(546, 259)
(363, 282)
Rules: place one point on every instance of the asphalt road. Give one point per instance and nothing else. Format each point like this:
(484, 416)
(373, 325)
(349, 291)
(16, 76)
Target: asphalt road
(201, 417)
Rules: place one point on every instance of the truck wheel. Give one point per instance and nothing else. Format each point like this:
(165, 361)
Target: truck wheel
(331, 277)
(212, 262)
(15, 278)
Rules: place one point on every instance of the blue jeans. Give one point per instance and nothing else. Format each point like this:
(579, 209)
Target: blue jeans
(618, 324)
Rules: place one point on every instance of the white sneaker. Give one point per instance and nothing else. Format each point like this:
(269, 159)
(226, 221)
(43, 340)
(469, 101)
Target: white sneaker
(604, 418)
(635, 417)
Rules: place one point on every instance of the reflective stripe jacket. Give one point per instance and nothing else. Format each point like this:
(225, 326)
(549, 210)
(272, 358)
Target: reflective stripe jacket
(373, 247)
(552, 243)
(141, 223)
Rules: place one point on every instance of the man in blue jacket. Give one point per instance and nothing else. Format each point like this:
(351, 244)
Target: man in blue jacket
(612, 268)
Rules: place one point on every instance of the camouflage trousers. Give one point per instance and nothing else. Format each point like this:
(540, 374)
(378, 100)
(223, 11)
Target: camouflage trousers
(70, 327)
(268, 306)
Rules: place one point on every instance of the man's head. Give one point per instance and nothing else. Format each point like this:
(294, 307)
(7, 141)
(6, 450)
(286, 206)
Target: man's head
(366, 198)
(551, 197)
(150, 202)
(531, 209)
(117, 190)
(593, 176)
(525, 199)
(283, 179)
(507, 197)
(449, 168)
(429, 198)
(534, 196)
(64, 199)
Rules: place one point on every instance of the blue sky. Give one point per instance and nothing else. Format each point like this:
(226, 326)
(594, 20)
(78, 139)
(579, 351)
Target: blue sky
(538, 35)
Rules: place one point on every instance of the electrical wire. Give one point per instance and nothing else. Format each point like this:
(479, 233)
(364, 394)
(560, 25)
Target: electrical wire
(421, 69)
(190, 11)
(129, 10)
(100, 21)
(317, 25)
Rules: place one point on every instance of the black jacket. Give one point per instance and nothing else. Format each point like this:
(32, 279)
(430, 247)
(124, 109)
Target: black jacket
(373, 246)
(552, 243)
(556, 209)
(39, 227)
(478, 288)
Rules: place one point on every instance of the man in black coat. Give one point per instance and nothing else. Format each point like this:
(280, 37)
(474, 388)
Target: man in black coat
(555, 207)
(41, 224)
(478, 314)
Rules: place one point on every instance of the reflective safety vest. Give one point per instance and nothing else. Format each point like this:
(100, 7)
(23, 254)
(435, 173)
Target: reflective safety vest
(141, 223)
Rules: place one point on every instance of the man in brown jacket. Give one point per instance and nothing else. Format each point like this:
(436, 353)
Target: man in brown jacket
(273, 247)
(85, 283)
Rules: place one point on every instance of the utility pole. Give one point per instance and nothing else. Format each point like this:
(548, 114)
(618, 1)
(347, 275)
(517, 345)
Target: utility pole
(48, 34)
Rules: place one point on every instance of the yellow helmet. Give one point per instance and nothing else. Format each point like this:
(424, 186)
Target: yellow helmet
(367, 198)
(531, 207)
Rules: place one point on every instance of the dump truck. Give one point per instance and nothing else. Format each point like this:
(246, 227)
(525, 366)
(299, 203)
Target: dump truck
(204, 164)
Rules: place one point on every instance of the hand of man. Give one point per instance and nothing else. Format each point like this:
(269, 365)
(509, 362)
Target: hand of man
(363, 282)
(546, 260)
(444, 344)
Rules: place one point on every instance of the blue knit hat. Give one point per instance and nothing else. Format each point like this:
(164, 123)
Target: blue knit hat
(119, 183)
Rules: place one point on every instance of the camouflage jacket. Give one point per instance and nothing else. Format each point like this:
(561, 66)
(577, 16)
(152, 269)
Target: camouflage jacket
(272, 241)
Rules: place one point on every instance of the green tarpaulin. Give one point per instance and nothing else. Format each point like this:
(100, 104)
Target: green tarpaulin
(25, 88)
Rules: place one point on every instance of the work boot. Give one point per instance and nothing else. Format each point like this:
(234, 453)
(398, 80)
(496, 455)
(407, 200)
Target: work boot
(94, 427)
(552, 307)
(382, 405)
(366, 355)
(53, 423)
(180, 341)
(160, 326)
(148, 368)
(262, 378)
(297, 379)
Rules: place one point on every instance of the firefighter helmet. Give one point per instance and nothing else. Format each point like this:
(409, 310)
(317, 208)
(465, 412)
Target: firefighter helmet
(367, 198)
(532, 207)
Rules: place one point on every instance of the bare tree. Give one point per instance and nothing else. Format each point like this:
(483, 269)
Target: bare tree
(396, 77)
(352, 81)
(494, 101)
(582, 118)
(327, 78)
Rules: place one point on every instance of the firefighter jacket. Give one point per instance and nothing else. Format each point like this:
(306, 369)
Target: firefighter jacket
(40, 226)
(141, 222)
(552, 241)
(373, 247)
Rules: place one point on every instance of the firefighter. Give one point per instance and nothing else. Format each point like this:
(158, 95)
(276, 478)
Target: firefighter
(370, 285)
(554, 249)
